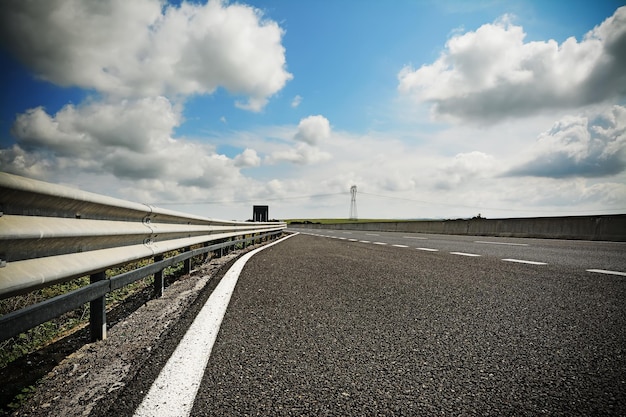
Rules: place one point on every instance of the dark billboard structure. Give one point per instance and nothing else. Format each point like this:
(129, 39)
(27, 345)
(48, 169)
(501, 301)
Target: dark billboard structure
(260, 213)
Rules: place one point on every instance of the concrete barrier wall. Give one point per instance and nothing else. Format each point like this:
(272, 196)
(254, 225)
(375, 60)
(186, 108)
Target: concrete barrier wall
(609, 227)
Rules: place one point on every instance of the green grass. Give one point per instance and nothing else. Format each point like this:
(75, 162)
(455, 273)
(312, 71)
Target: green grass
(339, 221)
(45, 333)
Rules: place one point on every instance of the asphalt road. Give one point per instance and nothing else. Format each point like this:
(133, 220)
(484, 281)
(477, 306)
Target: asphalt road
(607, 256)
(322, 326)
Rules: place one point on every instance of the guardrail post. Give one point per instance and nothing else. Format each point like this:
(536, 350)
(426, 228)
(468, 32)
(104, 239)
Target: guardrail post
(158, 278)
(98, 312)
(207, 255)
(187, 268)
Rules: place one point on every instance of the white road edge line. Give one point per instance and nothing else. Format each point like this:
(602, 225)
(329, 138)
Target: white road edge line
(174, 391)
(463, 254)
(604, 271)
(521, 261)
(428, 249)
(501, 243)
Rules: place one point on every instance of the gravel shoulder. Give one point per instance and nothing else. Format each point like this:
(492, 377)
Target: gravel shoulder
(87, 381)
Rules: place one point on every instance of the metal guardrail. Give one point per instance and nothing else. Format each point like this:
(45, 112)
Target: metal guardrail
(51, 234)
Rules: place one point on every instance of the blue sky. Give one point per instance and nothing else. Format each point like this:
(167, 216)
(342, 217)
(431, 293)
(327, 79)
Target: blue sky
(433, 109)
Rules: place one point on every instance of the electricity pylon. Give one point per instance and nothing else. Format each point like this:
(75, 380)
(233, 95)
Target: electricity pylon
(353, 213)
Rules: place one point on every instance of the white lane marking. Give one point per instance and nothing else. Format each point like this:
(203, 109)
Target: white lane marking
(379, 243)
(415, 237)
(428, 249)
(400, 246)
(604, 271)
(365, 241)
(372, 234)
(501, 243)
(521, 261)
(347, 233)
(353, 240)
(174, 391)
(342, 238)
(464, 254)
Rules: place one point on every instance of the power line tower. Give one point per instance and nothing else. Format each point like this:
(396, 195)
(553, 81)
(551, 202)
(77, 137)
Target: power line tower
(353, 214)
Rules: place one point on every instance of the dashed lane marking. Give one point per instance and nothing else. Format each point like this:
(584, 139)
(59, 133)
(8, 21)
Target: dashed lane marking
(400, 246)
(415, 237)
(174, 391)
(379, 243)
(521, 261)
(428, 249)
(464, 254)
(372, 234)
(365, 241)
(501, 243)
(604, 271)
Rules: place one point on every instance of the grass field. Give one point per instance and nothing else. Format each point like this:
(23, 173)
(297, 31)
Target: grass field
(335, 221)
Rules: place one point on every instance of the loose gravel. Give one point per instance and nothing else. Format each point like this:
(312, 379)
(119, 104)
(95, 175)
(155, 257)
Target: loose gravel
(89, 381)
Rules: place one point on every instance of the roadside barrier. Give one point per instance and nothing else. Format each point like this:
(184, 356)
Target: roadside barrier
(610, 227)
(51, 234)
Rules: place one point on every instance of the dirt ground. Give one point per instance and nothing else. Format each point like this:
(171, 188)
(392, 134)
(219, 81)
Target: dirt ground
(74, 377)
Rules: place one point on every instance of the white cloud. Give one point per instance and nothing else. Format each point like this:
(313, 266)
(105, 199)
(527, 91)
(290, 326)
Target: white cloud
(301, 154)
(73, 131)
(588, 146)
(139, 49)
(248, 158)
(311, 138)
(313, 130)
(464, 168)
(296, 101)
(492, 73)
(130, 140)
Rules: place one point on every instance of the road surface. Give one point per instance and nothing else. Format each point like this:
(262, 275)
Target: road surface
(397, 324)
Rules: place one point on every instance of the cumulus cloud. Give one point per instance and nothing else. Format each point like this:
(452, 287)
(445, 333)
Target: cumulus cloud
(131, 140)
(313, 130)
(464, 168)
(311, 134)
(493, 73)
(584, 146)
(140, 49)
(140, 57)
(247, 159)
(73, 131)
